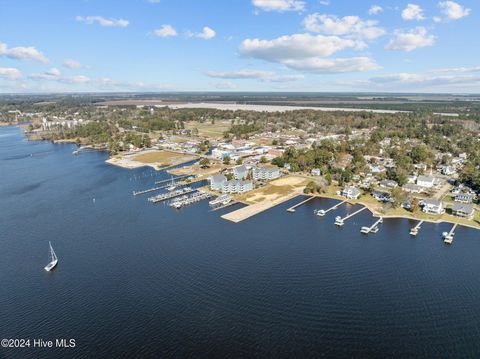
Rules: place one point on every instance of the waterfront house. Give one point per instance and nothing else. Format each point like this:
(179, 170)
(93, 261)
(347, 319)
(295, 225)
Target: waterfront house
(426, 181)
(463, 210)
(433, 206)
(351, 192)
(265, 173)
(237, 186)
(464, 197)
(381, 196)
(217, 181)
(388, 184)
(240, 172)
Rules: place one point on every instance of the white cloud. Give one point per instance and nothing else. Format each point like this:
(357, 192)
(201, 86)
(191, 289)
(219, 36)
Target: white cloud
(294, 46)
(111, 22)
(413, 12)
(22, 53)
(72, 64)
(452, 10)
(165, 31)
(10, 73)
(267, 76)
(335, 65)
(351, 26)
(375, 10)
(279, 5)
(305, 52)
(206, 34)
(55, 74)
(324, 2)
(410, 40)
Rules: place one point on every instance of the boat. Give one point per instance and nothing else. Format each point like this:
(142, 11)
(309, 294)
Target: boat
(445, 234)
(171, 186)
(320, 212)
(339, 221)
(53, 259)
(365, 230)
(223, 199)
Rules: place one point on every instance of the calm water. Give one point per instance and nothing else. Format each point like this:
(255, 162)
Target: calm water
(136, 279)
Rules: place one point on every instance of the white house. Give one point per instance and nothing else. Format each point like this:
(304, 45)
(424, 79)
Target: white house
(217, 181)
(463, 210)
(240, 172)
(351, 192)
(433, 206)
(426, 181)
(265, 173)
(236, 186)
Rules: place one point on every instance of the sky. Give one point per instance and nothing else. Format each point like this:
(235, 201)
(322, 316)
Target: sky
(239, 45)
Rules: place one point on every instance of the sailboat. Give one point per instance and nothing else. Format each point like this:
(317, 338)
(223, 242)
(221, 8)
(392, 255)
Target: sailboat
(172, 186)
(54, 259)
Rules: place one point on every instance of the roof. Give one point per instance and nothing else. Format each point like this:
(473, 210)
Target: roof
(241, 168)
(352, 189)
(218, 178)
(462, 207)
(432, 202)
(426, 178)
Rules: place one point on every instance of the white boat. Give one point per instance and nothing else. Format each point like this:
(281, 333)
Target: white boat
(445, 234)
(339, 221)
(365, 230)
(320, 212)
(53, 259)
(171, 186)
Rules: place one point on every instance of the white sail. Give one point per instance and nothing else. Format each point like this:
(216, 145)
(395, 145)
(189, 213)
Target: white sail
(53, 259)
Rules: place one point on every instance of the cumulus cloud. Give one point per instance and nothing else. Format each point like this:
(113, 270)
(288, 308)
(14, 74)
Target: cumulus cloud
(452, 10)
(413, 12)
(267, 76)
(207, 33)
(72, 64)
(165, 31)
(410, 40)
(279, 5)
(375, 10)
(10, 73)
(111, 22)
(350, 26)
(22, 53)
(306, 52)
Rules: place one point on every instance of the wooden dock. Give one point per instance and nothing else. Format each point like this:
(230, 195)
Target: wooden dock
(373, 228)
(292, 209)
(341, 221)
(322, 212)
(414, 230)
(448, 238)
(170, 179)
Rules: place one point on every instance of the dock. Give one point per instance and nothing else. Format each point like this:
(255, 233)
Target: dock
(170, 195)
(339, 221)
(136, 193)
(323, 212)
(414, 230)
(170, 179)
(373, 228)
(292, 209)
(448, 236)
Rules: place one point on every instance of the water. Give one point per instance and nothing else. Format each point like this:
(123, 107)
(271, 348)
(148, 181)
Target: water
(142, 280)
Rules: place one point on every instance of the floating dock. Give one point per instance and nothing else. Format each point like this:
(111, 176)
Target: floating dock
(292, 209)
(322, 212)
(414, 230)
(448, 236)
(339, 221)
(170, 195)
(372, 229)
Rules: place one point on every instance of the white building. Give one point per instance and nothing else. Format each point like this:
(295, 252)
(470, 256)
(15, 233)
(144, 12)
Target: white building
(426, 181)
(351, 192)
(216, 182)
(236, 186)
(265, 173)
(240, 172)
(433, 206)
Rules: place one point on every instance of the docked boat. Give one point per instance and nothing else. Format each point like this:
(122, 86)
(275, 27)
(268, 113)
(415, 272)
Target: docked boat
(171, 186)
(223, 199)
(339, 221)
(53, 259)
(320, 212)
(365, 230)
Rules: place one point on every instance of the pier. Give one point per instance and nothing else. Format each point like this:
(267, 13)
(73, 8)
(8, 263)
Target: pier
(373, 228)
(322, 212)
(339, 221)
(225, 205)
(448, 236)
(414, 230)
(170, 180)
(136, 193)
(170, 195)
(292, 209)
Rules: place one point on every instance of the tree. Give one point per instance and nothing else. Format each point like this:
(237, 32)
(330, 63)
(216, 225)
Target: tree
(398, 196)
(204, 162)
(226, 160)
(239, 161)
(263, 159)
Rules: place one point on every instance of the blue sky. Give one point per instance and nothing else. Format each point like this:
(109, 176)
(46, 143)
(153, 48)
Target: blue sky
(239, 45)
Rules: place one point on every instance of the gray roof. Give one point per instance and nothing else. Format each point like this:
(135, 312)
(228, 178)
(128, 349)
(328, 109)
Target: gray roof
(432, 202)
(462, 207)
(240, 169)
(218, 179)
(426, 178)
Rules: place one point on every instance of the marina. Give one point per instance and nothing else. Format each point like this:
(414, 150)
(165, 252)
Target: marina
(414, 230)
(373, 228)
(292, 209)
(172, 194)
(170, 179)
(323, 212)
(339, 221)
(448, 236)
(193, 198)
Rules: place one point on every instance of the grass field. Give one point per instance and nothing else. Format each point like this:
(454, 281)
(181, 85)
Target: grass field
(207, 129)
(275, 190)
(163, 158)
